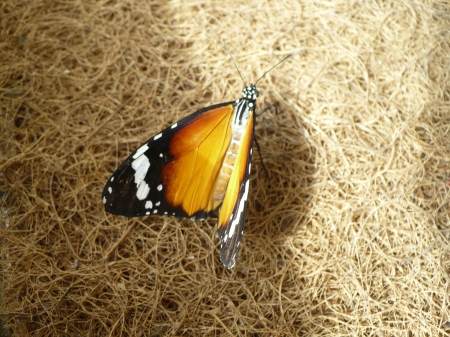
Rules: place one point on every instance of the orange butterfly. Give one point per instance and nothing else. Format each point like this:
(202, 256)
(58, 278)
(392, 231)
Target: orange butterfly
(197, 166)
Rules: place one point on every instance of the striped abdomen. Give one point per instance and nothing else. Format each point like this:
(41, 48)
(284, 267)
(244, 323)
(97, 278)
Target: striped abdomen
(227, 167)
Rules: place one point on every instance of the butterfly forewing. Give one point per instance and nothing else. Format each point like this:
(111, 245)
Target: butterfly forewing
(173, 172)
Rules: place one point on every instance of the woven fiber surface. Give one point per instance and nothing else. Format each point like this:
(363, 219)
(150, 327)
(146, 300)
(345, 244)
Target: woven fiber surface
(346, 236)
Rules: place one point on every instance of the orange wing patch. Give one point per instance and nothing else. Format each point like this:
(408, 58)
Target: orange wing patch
(198, 151)
(237, 176)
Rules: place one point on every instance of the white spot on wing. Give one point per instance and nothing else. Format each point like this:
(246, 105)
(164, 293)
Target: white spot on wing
(158, 203)
(147, 213)
(141, 166)
(109, 189)
(155, 211)
(104, 200)
(149, 204)
(112, 179)
(142, 191)
(161, 155)
(157, 136)
(140, 151)
(174, 126)
(141, 163)
(159, 188)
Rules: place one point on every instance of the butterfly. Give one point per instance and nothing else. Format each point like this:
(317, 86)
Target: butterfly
(193, 169)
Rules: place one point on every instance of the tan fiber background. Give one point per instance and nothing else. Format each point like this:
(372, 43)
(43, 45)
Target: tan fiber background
(347, 236)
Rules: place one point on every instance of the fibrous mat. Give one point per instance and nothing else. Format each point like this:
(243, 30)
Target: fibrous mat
(348, 234)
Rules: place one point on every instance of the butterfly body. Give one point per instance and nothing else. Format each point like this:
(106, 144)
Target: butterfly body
(193, 169)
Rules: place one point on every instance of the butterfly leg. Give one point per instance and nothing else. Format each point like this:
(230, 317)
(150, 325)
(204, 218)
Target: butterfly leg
(267, 108)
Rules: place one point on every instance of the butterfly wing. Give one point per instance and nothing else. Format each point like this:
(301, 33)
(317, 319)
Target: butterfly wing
(175, 171)
(230, 225)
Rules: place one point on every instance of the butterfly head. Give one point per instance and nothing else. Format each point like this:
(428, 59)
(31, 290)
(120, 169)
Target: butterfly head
(250, 92)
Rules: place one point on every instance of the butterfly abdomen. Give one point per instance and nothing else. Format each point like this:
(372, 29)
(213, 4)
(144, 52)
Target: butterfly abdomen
(227, 168)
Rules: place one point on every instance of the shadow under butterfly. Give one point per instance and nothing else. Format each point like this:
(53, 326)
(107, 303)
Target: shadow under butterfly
(196, 167)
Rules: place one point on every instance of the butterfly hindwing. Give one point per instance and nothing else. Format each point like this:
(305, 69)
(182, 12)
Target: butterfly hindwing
(230, 225)
(174, 172)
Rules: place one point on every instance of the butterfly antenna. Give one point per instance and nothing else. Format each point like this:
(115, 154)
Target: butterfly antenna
(234, 61)
(276, 65)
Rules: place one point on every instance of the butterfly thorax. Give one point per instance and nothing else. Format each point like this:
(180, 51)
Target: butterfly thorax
(244, 109)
